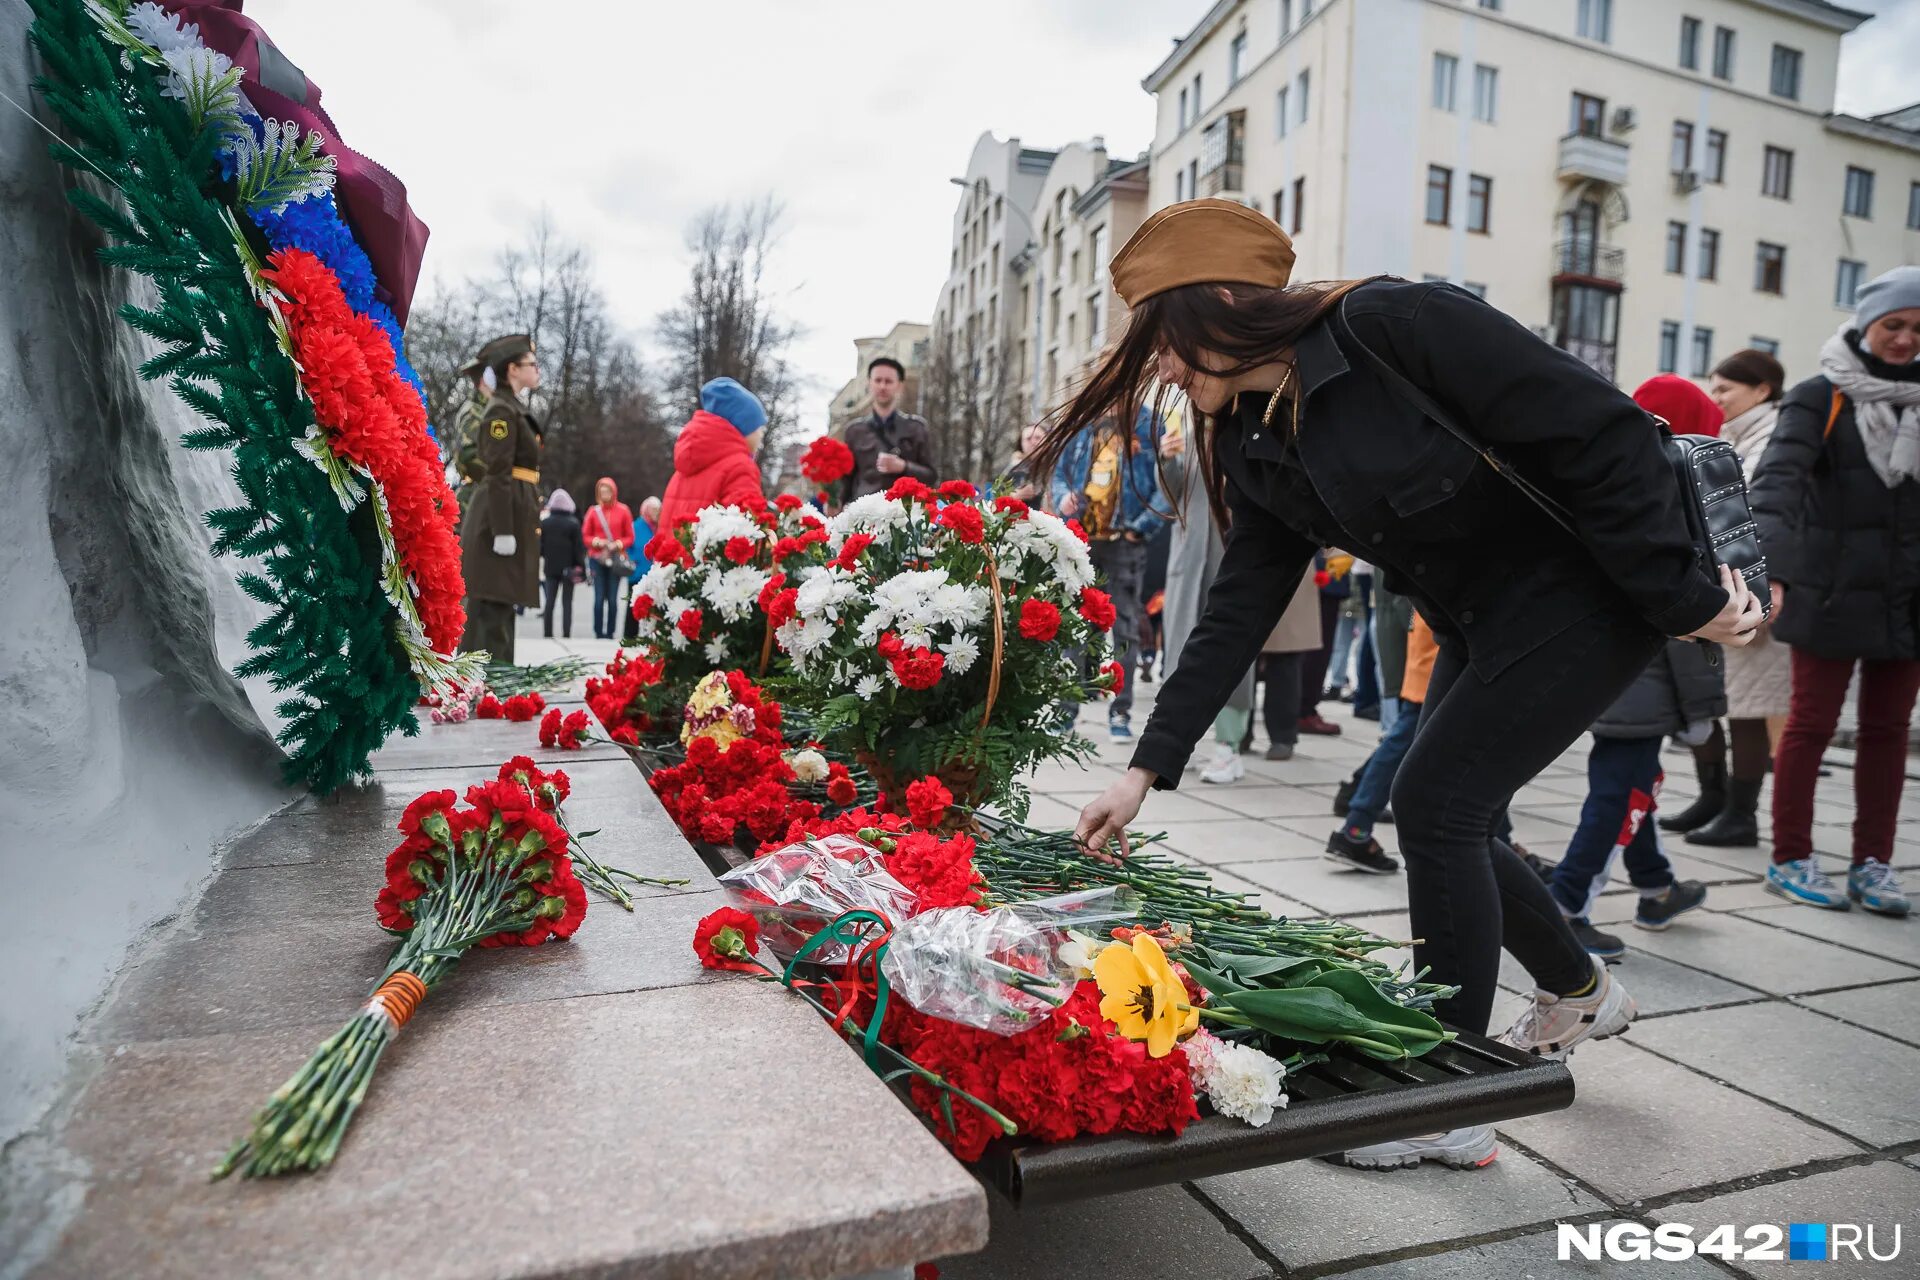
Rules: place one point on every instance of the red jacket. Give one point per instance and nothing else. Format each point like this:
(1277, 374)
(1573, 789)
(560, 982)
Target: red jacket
(711, 464)
(613, 523)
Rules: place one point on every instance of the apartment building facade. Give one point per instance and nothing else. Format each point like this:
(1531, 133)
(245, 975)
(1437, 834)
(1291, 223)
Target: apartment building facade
(1651, 184)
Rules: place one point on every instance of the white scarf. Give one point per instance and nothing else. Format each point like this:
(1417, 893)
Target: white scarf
(1883, 411)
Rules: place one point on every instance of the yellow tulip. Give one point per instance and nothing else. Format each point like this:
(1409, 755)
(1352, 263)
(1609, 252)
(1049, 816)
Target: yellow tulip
(1142, 996)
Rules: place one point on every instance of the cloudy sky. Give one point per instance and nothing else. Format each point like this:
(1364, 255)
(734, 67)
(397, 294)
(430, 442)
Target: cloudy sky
(625, 119)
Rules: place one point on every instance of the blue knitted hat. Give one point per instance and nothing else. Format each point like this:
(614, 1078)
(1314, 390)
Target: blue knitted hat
(728, 399)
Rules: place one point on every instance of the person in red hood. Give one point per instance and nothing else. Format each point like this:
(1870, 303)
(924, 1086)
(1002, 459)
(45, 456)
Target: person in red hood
(714, 460)
(608, 529)
(1689, 411)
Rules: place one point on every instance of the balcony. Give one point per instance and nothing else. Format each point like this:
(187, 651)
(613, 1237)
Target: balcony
(1586, 157)
(1589, 260)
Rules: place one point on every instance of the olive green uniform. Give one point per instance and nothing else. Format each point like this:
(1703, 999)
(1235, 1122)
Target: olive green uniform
(505, 500)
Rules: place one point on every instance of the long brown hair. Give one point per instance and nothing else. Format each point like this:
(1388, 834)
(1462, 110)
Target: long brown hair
(1248, 326)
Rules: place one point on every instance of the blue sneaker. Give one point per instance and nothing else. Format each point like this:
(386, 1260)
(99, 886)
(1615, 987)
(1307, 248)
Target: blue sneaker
(1873, 885)
(1803, 881)
(1119, 730)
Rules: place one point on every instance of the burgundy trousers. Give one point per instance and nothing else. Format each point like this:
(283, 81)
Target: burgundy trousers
(1887, 688)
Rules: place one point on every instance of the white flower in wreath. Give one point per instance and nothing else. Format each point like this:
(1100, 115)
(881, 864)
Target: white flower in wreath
(808, 766)
(962, 652)
(716, 652)
(957, 606)
(1242, 1081)
(876, 514)
(717, 525)
(161, 29)
(734, 592)
(677, 639)
(822, 594)
(907, 600)
(802, 638)
(867, 687)
(674, 607)
(657, 581)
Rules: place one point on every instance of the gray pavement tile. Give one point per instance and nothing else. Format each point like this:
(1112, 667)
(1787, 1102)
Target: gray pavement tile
(606, 1123)
(1533, 1255)
(1642, 1127)
(1751, 861)
(1659, 986)
(1266, 899)
(1758, 955)
(1302, 770)
(1853, 1080)
(1235, 840)
(1198, 804)
(1309, 1213)
(1882, 1193)
(1326, 887)
(481, 742)
(1554, 809)
(1276, 802)
(1162, 1233)
(1892, 1010)
(1884, 936)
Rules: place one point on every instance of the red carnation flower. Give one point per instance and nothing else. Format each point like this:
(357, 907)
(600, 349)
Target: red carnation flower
(773, 587)
(642, 606)
(488, 708)
(727, 939)
(788, 502)
(889, 645)
(689, 624)
(1039, 620)
(1321, 577)
(1011, 504)
(1074, 527)
(1115, 673)
(783, 607)
(927, 802)
(550, 728)
(738, 549)
(957, 490)
(787, 547)
(1096, 606)
(827, 460)
(840, 788)
(965, 520)
(522, 707)
(851, 550)
(665, 548)
(918, 667)
(907, 488)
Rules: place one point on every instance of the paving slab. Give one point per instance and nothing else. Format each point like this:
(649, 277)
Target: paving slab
(1159, 1234)
(1660, 986)
(1892, 1009)
(1857, 930)
(1643, 1127)
(1853, 1080)
(1276, 802)
(1234, 840)
(1303, 770)
(1533, 1255)
(1310, 1213)
(1266, 899)
(1757, 955)
(1327, 887)
(439, 745)
(622, 1157)
(1882, 1193)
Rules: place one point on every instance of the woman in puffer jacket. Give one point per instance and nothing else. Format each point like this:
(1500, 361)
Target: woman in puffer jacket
(714, 460)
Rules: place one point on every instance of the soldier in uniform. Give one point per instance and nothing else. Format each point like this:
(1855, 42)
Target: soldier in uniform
(500, 529)
(464, 452)
(888, 444)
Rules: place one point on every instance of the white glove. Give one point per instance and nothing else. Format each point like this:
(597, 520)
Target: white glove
(503, 544)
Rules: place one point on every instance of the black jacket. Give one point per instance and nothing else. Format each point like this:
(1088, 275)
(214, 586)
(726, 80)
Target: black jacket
(907, 435)
(1682, 686)
(1486, 567)
(562, 548)
(1846, 547)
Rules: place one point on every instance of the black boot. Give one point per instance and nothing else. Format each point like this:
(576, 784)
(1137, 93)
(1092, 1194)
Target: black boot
(1713, 798)
(1736, 826)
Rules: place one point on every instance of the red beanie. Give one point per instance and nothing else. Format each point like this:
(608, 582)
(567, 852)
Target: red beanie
(1687, 409)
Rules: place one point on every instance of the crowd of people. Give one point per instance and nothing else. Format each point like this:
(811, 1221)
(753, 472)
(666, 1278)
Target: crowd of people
(1487, 628)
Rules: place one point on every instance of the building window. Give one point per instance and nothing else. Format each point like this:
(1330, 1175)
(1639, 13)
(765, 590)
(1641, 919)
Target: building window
(1299, 205)
(1199, 103)
(1446, 72)
(1486, 93)
(1439, 194)
(1490, 4)
(1286, 18)
(1477, 290)
(1589, 115)
(1183, 108)
(1858, 201)
(1193, 179)
(1714, 166)
(1669, 345)
(1913, 206)
(1595, 20)
(1770, 268)
(1769, 345)
(1097, 250)
(1236, 58)
(1680, 158)
(1179, 185)
(1707, 257)
(1723, 53)
(1847, 281)
(1776, 174)
(1280, 112)
(1304, 82)
(1479, 202)
(1280, 206)
(1702, 351)
(1690, 44)
(1676, 248)
(1785, 82)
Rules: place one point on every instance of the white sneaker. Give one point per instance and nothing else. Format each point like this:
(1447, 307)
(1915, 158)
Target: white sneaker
(1226, 767)
(1552, 1025)
(1471, 1148)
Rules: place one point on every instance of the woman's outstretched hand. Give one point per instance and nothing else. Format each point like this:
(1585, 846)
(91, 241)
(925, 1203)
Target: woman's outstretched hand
(1108, 814)
(1738, 621)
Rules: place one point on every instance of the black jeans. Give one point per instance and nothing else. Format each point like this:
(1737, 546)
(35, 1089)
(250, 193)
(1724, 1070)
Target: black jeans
(1280, 705)
(1479, 742)
(560, 585)
(1122, 564)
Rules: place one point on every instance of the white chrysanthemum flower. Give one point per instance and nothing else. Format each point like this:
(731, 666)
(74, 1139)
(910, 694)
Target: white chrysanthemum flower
(734, 592)
(876, 514)
(802, 638)
(1241, 1081)
(959, 607)
(962, 652)
(673, 607)
(867, 687)
(907, 600)
(822, 594)
(677, 638)
(715, 525)
(657, 581)
(716, 651)
(808, 766)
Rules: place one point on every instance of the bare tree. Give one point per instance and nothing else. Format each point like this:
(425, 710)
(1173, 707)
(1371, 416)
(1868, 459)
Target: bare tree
(970, 396)
(728, 323)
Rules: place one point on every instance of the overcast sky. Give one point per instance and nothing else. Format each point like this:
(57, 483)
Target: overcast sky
(625, 119)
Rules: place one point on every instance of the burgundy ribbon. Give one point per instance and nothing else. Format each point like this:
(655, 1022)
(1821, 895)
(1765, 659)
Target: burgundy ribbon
(372, 200)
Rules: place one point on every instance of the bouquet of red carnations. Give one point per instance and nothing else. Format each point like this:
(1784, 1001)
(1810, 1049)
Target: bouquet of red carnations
(493, 872)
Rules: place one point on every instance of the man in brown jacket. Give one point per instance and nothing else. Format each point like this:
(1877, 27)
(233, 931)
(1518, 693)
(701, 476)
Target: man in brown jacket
(888, 444)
